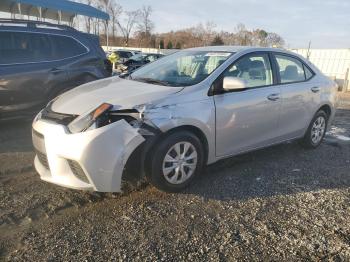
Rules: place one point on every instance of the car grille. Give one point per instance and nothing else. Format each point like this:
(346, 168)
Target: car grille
(43, 159)
(39, 146)
(78, 171)
(62, 119)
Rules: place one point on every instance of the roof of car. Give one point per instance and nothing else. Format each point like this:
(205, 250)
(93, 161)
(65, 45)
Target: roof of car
(18, 25)
(21, 23)
(122, 50)
(151, 54)
(234, 49)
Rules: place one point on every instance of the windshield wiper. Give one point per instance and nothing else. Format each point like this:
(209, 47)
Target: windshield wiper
(152, 81)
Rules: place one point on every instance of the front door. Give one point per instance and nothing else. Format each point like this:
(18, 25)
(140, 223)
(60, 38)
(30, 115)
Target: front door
(248, 118)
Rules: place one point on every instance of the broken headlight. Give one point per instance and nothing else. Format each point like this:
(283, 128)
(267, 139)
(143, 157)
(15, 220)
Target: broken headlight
(132, 116)
(105, 115)
(85, 121)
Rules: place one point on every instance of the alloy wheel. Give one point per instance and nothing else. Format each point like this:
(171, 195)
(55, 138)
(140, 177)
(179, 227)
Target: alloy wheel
(318, 129)
(180, 162)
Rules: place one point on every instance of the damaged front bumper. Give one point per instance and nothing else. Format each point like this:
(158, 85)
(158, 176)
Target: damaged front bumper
(90, 160)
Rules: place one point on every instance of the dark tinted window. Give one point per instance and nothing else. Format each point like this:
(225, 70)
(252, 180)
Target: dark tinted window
(22, 47)
(291, 69)
(123, 54)
(65, 47)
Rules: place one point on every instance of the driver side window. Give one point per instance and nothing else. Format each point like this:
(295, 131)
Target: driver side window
(254, 70)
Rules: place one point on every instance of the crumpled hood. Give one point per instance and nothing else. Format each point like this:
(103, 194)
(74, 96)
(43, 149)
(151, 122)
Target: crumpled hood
(113, 90)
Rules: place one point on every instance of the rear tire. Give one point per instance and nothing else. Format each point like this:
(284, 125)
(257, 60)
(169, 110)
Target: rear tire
(176, 161)
(316, 130)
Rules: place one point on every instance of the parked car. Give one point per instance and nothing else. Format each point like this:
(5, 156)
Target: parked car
(39, 61)
(138, 60)
(172, 117)
(124, 55)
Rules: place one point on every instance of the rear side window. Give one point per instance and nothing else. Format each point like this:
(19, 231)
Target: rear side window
(308, 73)
(22, 47)
(65, 47)
(290, 69)
(124, 54)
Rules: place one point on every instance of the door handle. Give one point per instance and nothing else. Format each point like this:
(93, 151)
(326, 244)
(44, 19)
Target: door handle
(315, 89)
(273, 97)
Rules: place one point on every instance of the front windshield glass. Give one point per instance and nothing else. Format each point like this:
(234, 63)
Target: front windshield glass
(137, 57)
(183, 68)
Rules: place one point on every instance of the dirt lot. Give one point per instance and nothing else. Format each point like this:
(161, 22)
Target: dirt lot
(281, 203)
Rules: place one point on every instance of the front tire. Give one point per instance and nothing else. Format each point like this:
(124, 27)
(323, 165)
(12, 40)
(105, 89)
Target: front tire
(176, 161)
(316, 130)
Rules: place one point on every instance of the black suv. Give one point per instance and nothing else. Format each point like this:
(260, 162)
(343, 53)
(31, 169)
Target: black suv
(39, 61)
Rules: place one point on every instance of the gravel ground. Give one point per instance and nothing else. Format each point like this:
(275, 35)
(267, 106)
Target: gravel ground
(280, 203)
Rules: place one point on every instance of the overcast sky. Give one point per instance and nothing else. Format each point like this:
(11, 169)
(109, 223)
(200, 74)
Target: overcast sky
(325, 22)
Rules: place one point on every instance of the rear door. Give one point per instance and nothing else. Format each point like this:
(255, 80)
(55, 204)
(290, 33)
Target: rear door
(247, 119)
(27, 70)
(299, 95)
(82, 66)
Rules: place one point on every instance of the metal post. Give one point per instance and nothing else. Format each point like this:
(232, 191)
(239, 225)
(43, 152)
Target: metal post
(98, 27)
(59, 16)
(308, 51)
(107, 38)
(346, 81)
(40, 13)
(19, 9)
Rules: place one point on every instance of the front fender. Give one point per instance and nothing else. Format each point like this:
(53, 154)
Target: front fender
(199, 114)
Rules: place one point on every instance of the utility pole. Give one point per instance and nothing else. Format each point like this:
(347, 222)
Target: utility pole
(308, 51)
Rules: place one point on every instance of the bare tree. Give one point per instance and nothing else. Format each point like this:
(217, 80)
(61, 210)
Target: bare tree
(145, 25)
(126, 27)
(200, 35)
(229, 38)
(103, 4)
(259, 37)
(114, 11)
(88, 20)
(275, 40)
(243, 36)
(209, 32)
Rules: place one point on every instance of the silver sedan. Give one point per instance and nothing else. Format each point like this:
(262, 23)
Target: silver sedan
(170, 118)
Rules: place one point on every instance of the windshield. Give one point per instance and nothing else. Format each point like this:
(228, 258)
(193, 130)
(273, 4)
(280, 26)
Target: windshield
(183, 68)
(137, 57)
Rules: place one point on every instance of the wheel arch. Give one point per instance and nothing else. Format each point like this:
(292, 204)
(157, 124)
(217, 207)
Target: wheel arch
(141, 157)
(326, 108)
(194, 130)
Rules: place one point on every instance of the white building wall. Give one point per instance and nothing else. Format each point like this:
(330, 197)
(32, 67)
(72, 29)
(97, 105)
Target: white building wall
(335, 63)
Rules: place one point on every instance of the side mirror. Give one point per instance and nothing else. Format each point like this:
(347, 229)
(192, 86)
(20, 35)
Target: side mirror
(233, 83)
